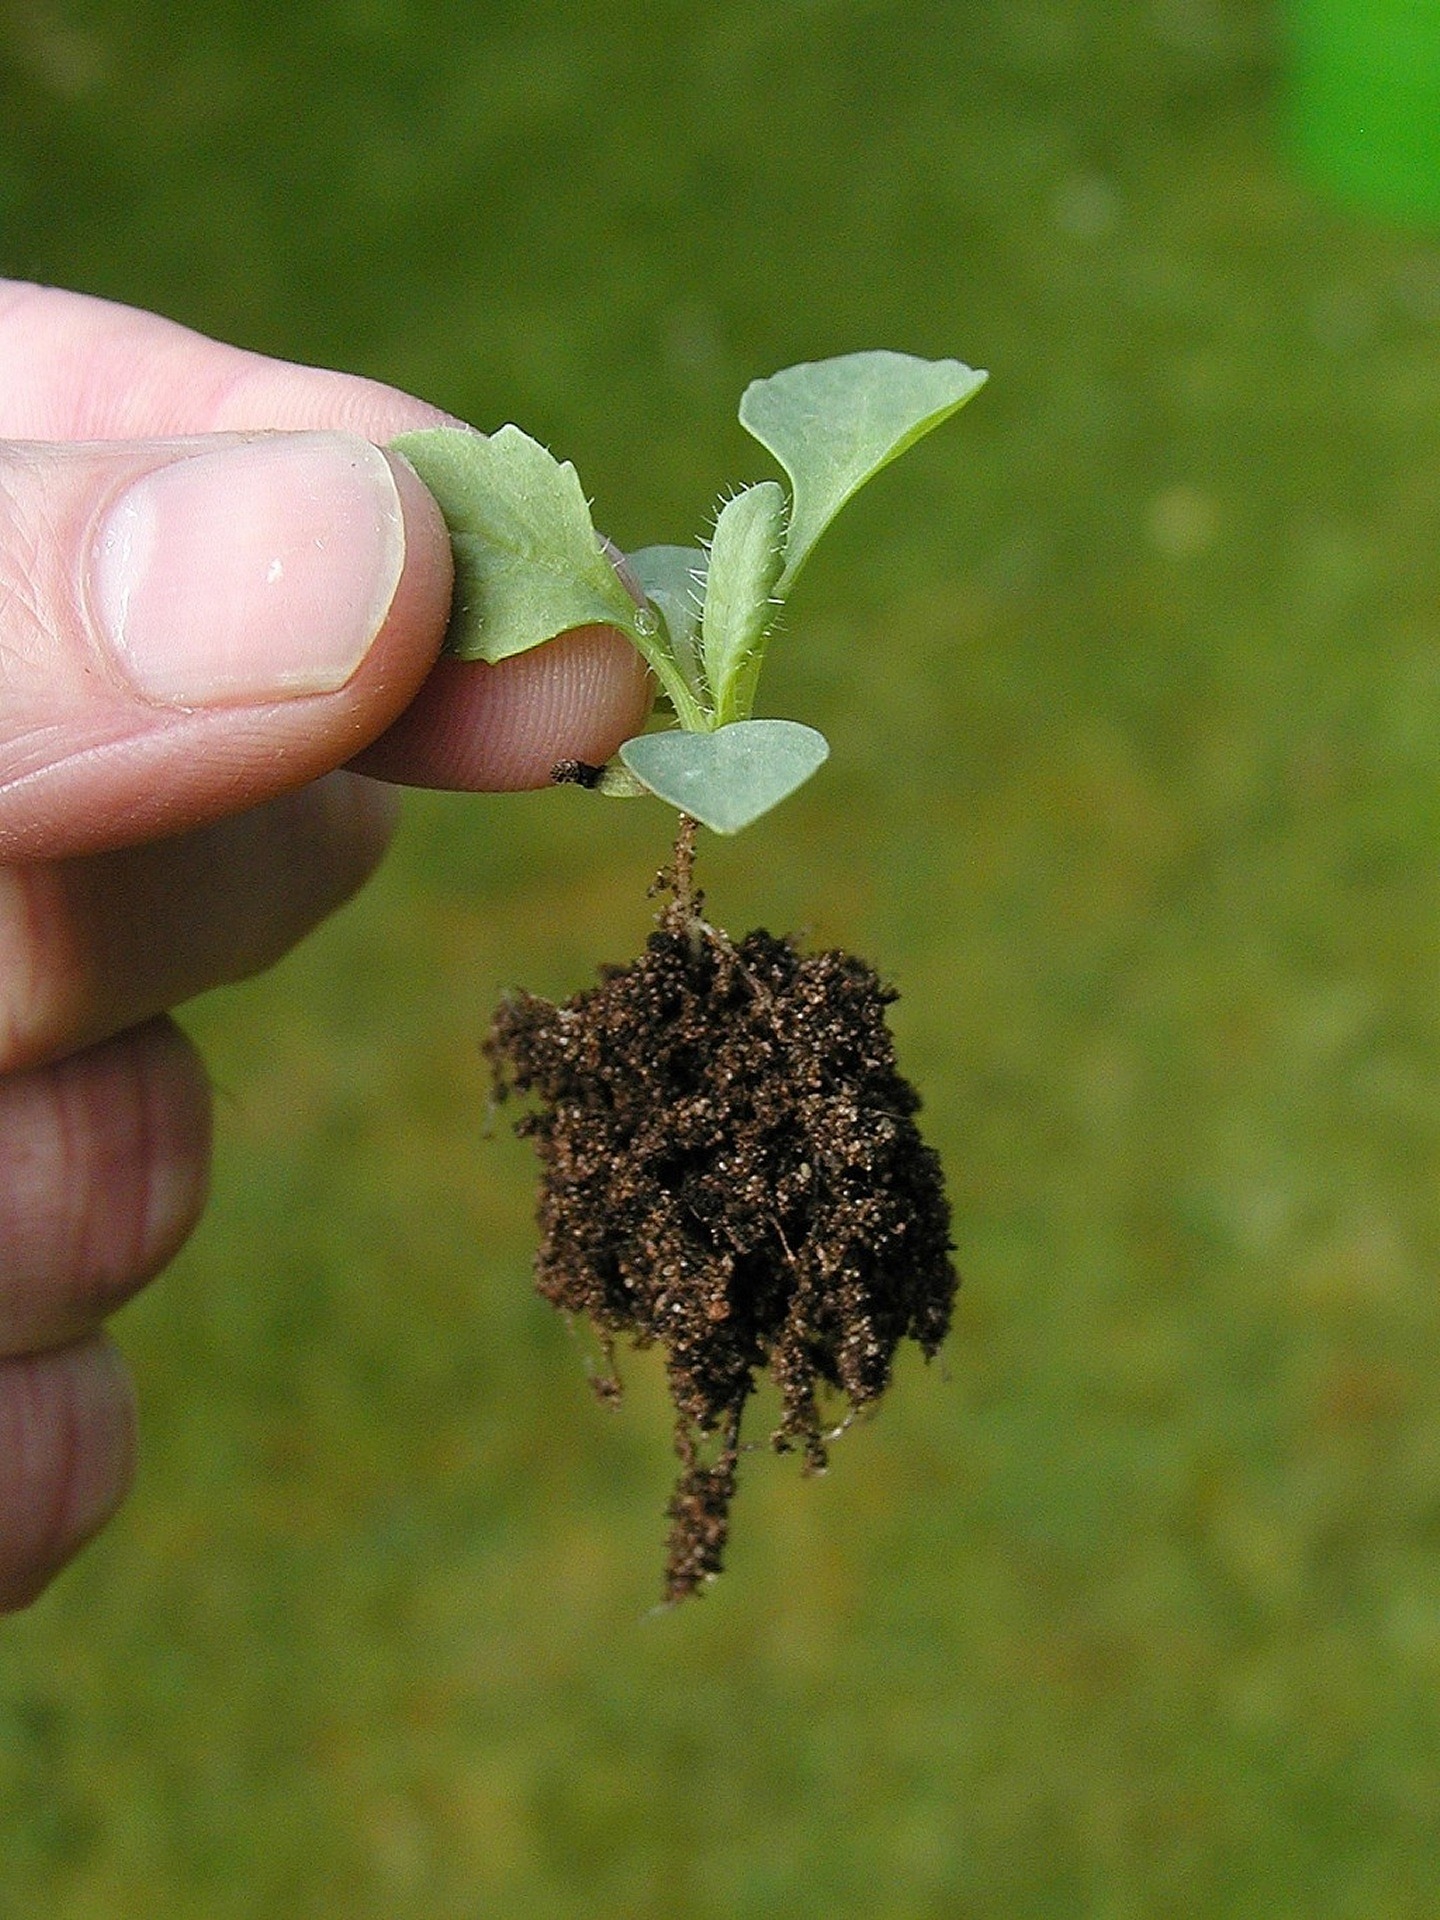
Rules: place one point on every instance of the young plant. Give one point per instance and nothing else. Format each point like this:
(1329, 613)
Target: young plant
(730, 1162)
(530, 565)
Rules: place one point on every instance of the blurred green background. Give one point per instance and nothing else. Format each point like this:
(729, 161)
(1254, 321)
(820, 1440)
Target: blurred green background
(1129, 1608)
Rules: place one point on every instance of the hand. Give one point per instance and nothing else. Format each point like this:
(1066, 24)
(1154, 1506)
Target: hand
(215, 591)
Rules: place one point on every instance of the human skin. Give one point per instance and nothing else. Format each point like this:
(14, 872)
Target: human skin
(221, 605)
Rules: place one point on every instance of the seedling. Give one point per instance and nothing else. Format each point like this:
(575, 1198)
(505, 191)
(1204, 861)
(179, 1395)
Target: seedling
(730, 1164)
(529, 565)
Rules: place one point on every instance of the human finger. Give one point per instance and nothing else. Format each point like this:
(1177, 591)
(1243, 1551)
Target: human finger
(191, 628)
(73, 367)
(67, 1458)
(93, 946)
(504, 727)
(104, 1166)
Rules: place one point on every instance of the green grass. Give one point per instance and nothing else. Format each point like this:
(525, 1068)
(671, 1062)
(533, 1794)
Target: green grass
(1128, 1609)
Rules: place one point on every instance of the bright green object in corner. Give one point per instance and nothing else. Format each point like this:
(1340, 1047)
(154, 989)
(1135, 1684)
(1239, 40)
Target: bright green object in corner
(1365, 101)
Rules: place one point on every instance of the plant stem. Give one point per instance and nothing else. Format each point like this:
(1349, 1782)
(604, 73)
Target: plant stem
(683, 915)
(684, 867)
(654, 649)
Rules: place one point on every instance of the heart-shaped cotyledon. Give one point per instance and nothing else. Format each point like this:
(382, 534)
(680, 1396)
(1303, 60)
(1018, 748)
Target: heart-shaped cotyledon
(727, 778)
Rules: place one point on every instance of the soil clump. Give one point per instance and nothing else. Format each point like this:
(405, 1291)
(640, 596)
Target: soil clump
(731, 1168)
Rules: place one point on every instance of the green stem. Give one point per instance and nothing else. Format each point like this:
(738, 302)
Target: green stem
(654, 648)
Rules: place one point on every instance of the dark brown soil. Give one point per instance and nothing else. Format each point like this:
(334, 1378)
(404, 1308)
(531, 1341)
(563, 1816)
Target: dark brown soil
(730, 1166)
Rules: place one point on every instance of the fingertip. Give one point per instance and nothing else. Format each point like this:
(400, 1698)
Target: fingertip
(106, 1163)
(68, 1444)
(501, 728)
(169, 1087)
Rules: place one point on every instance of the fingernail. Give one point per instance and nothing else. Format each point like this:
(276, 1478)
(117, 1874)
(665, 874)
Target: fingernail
(257, 571)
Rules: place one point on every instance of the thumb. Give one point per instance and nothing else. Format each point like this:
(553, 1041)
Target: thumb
(188, 628)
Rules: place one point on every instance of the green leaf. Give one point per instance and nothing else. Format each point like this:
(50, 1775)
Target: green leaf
(746, 556)
(833, 424)
(727, 778)
(674, 579)
(528, 563)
